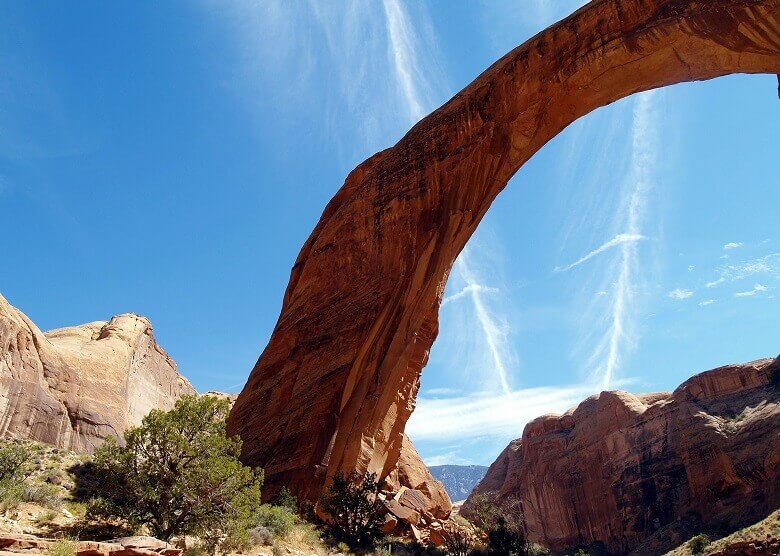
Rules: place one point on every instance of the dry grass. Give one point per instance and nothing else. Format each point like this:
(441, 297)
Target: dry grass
(769, 527)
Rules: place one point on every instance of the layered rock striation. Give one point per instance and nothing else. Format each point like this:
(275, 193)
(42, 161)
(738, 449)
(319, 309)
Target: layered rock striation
(334, 387)
(620, 468)
(74, 386)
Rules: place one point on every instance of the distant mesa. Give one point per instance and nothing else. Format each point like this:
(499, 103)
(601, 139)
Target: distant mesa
(74, 386)
(645, 472)
(458, 480)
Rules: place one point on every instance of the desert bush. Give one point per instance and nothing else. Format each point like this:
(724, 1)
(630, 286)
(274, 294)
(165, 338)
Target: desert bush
(62, 547)
(261, 535)
(580, 552)
(458, 540)
(15, 463)
(278, 520)
(179, 474)
(353, 508)
(484, 512)
(46, 495)
(286, 499)
(503, 540)
(698, 543)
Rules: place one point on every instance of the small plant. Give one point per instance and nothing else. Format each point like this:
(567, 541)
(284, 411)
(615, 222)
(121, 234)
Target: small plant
(276, 550)
(16, 463)
(277, 519)
(286, 499)
(62, 547)
(46, 495)
(580, 552)
(353, 507)
(261, 535)
(698, 543)
(47, 517)
(383, 551)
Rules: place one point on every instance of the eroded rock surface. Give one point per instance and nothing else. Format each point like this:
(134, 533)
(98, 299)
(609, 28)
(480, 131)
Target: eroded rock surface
(74, 386)
(337, 382)
(621, 467)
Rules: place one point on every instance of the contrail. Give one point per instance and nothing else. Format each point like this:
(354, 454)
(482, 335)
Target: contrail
(614, 242)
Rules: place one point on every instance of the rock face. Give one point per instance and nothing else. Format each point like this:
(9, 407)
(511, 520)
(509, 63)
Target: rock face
(337, 382)
(75, 386)
(458, 480)
(620, 467)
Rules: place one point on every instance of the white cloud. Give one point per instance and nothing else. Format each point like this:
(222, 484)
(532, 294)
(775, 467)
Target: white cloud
(679, 293)
(714, 283)
(620, 336)
(732, 245)
(758, 288)
(466, 291)
(495, 336)
(614, 242)
(485, 414)
(447, 458)
(691, 268)
(706, 302)
(767, 265)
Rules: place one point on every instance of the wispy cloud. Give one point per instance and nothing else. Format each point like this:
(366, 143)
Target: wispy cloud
(608, 353)
(715, 283)
(467, 290)
(679, 293)
(485, 414)
(706, 302)
(614, 242)
(767, 266)
(732, 245)
(495, 336)
(413, 83)
(758, 288)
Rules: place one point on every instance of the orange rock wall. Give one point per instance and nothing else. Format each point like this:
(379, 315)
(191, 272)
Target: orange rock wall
(620, 468)
(338, 380)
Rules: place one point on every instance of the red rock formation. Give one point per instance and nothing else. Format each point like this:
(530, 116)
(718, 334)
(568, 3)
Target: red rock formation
(620, 467)
(337, 382)
(74, 386)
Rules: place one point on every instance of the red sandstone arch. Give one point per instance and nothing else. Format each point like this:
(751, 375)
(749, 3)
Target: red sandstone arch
(337, 382)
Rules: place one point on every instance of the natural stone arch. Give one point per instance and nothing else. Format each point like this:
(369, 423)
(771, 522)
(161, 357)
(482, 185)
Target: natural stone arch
(337, 382)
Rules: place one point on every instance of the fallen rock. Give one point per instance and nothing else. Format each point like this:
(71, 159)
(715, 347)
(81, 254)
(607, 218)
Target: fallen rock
(620, 467)
(134, 546)
(74, 386)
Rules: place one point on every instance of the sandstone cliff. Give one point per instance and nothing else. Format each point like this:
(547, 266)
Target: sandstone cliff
(74, 386)
(621, 467)
(334, 387)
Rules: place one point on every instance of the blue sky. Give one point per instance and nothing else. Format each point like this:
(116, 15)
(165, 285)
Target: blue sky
(171, 159)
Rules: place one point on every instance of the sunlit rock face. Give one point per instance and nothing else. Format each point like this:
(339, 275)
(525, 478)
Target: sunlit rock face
(75, 386)
(620, 468)
(337, 382)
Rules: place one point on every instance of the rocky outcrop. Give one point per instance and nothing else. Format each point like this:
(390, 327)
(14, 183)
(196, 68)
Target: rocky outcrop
(337, 382)
(620, 467)
(75, 386)
(12, 544)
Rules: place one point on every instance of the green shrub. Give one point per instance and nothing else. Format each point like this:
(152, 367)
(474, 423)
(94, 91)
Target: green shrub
(179, 474)
(277, 519)
(286, 499)
(353, 507)
(503, 540)
(580, 552)
(698, 543)
(15, 464)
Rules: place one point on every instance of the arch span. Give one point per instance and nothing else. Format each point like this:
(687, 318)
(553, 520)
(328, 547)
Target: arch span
(337, 382)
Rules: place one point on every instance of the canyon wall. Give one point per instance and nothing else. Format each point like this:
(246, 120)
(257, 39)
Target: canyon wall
(620, 468)
(334, 387)
(74, 386)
